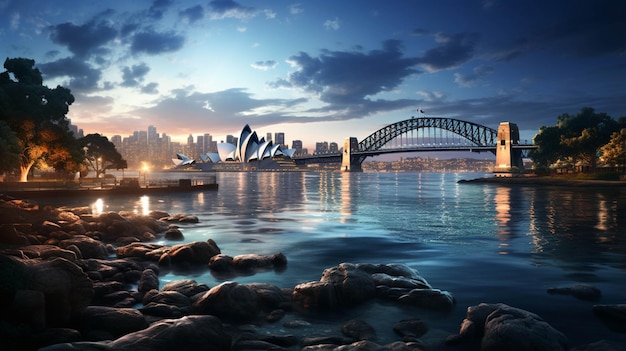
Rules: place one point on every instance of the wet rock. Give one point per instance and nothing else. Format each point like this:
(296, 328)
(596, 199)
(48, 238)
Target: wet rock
(275, 315)
(614, 316)
(601, 345)
(173, 233)
(149, 280)
(579, 291)
(114, 322)
(359, 330)
(142, 251)
(315, 296)
(221, 263)
(180, 218)
(410, 328)
(10, 235)
(88, 247)
(195, 253)
(429, 298)
(187, 287)
(501, 327)
(229, 300)
(269, 296)
(353, 286)
(363, 345)
(406, 346)
(41, 251)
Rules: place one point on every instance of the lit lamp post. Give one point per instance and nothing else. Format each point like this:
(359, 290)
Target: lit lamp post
(145, 170)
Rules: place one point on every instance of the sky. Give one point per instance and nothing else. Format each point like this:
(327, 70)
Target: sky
(321, 70)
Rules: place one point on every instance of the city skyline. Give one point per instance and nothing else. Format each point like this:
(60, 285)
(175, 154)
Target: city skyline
(321, 71)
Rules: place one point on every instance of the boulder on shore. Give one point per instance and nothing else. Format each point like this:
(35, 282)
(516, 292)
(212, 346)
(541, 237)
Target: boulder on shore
(501, 327)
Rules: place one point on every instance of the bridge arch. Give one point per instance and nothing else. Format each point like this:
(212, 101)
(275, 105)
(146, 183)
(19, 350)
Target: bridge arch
(475, 133)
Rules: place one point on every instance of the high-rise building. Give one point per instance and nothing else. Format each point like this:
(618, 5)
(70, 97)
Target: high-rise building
(279, 138)
(297, 145)
(333, 147)
(268, 137)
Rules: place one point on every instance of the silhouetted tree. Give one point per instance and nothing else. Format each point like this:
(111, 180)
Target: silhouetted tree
(574, 138)
(100, 154)
(36, 114)
(9, 149)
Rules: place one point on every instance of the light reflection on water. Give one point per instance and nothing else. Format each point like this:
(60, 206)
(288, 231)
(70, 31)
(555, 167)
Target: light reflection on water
(484, 243)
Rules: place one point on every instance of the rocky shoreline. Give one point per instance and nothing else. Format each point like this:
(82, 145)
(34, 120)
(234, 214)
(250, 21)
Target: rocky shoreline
(70, 280)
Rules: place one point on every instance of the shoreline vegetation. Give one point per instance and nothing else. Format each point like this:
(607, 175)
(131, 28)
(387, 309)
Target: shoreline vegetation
(73, 280)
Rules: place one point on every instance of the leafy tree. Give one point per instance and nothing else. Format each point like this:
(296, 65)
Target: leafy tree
(574, 138)
(36, 114)
(9, 148)
(614, 152)
(100, 154)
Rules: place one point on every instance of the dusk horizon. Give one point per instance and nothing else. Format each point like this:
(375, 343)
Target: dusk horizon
(321, 72)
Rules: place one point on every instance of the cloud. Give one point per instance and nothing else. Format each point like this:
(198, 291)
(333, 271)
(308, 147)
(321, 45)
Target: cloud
(150, 88)
(83, 40)
(192, 14)
(296, 9)
(158, 8)
(221, 9)
(332, 24)
(349, 77)
(132, 76)
(468, 80)
(453, 51)
(81, 76)
(152, 42)
(264, 65)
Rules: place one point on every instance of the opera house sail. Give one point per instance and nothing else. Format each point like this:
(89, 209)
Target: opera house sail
(250, 153)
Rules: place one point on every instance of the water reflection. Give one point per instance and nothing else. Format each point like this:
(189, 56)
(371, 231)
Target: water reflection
(97, 207)
(345, 209)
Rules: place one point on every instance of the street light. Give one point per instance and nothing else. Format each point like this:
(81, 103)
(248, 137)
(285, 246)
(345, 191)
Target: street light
(145, 170)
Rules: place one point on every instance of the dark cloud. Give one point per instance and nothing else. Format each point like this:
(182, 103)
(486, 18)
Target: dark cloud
(264, 65)
(230, 9)
(152, 42)
(192, 14)
(590, 28)
(340, 77)
(453, 51)
(158, 8)
(132, 76)
(83, 40)
(81, 76)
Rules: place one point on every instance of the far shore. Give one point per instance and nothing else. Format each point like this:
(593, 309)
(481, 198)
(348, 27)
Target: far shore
(548, 181)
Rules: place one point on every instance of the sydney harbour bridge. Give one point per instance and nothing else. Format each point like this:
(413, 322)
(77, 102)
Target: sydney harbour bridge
(426, 134)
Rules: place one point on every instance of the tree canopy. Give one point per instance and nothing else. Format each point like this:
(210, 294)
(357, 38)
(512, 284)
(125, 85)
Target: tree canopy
(100, 154)
(36, 115)
(576, 139)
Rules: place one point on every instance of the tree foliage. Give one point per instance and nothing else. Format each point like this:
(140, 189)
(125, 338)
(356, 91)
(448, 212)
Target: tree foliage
(36, 114)
(9, 148)
(101, 154)
(575, 139)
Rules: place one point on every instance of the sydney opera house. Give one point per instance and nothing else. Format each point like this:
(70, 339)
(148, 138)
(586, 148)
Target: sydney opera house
(250, 153)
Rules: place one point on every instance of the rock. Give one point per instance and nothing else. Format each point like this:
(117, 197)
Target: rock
(142, 251)
(359, 330)
(614, 316)
(187, 287)
(601, 345)
(315, 296)
(173, 233)
(353, 286)
(187, 333)
(89, 247)
(579, 291)
(115, 322)
(429, 298)
(501, 327)
(196, 253)
(270, 296)
(149, 280)
(410, 327)
(41, 251)
(66, 289)
(10, 235)
(363, 345)
(229, 300)
(221, 263)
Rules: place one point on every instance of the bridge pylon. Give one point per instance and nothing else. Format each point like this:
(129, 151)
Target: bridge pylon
(350, 162)
(506, 156)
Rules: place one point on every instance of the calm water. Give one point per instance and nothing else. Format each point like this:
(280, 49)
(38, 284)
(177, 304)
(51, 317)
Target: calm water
(483, 243)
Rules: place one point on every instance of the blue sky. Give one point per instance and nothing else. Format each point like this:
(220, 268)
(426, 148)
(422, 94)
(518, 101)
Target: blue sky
(321, 70)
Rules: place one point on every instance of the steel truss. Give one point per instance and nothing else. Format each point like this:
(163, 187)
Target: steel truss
(475, 133)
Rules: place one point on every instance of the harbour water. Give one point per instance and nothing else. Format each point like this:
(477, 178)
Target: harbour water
(481, 242)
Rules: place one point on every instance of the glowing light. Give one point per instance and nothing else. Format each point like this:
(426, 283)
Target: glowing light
(97, 207)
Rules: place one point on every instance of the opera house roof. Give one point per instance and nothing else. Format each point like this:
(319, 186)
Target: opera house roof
(249, 148)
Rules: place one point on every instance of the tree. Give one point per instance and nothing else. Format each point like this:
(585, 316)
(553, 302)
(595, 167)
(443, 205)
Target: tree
(9, 148)
(35, 113)
(100, 154)
(575, 138)
(614, 152)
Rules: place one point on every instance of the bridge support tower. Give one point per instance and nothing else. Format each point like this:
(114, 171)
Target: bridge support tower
(508, 158)
(350, 162)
